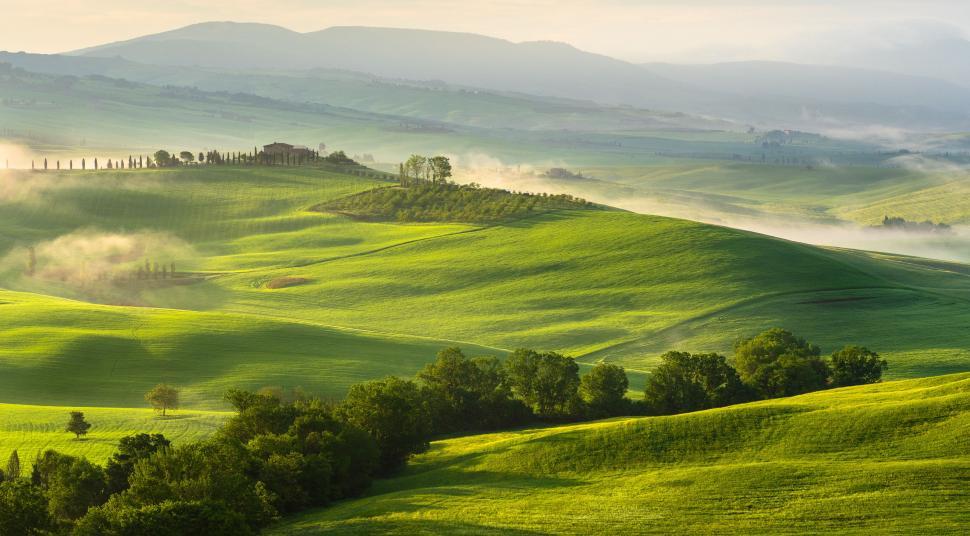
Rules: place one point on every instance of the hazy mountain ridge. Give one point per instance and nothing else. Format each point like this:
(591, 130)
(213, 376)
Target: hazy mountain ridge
(559, 70)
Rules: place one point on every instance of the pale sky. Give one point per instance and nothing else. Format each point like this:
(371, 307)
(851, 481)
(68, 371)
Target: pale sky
(634, 30)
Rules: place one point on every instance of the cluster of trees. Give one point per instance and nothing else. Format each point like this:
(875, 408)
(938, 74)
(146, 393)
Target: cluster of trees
(774, 364)
(443, 201)
(422, 169)
(281, 454)
(155, 271)
(902, 224)
(164, 158)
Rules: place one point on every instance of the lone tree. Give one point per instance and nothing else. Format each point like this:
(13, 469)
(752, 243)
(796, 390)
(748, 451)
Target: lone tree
(163, 397)
(77, 425)
(187, 157)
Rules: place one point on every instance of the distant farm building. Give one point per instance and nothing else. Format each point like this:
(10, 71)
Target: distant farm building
(276, 148)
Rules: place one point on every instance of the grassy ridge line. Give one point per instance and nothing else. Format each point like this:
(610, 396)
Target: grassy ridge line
(887, 458)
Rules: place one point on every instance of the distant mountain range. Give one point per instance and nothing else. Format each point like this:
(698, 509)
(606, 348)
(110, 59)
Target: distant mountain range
(766, 94)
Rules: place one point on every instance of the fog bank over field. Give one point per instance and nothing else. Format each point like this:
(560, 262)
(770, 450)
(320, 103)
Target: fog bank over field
(823, 230)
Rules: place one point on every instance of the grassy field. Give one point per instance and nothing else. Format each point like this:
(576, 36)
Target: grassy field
(32, 429)
(824, 193)
(381, 298)
(888, 458)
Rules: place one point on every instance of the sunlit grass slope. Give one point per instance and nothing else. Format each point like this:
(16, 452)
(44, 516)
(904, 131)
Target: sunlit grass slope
(886, 458)
(59, 352)
(32, 429)
(862, 194)
(381, 298)
(628, 287)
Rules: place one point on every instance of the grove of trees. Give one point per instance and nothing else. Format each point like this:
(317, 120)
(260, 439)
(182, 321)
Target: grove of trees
(280, 454)
(444, 201)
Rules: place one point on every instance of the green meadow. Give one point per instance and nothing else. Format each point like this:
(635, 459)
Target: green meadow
(890, 458)
(34, 429)
(367, 299)
(912, 189)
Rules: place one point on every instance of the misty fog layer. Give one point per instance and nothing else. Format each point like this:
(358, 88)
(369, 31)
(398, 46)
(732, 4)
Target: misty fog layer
(949, 246)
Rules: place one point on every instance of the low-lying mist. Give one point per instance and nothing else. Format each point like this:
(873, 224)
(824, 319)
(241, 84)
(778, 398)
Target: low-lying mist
(99, 266)
(950, 246)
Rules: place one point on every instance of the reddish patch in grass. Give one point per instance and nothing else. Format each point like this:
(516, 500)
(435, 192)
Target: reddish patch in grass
(283, 282)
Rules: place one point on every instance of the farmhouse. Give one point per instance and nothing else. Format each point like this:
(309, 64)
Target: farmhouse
(285, 148)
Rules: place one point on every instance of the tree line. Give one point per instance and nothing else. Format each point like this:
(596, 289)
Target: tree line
(281, 453)
(166, 159)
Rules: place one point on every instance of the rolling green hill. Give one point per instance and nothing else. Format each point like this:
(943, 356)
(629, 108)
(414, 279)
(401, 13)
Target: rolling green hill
(886, 458)
(822, 193)
(355, 300)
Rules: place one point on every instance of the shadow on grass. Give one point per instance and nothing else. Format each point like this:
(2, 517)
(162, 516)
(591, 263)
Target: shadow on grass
(382, 526)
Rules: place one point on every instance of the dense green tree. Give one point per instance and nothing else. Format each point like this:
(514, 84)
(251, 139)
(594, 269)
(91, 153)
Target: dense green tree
(395, 413)
(603, 390)
(71, 484)
(547, 382)
(131, 449)
(469, 394)
(215, 470)
(690, 382)
(777, 363)
(856, 365)
(162, 397)
(168, 518)
(23, 509)
(77, 425)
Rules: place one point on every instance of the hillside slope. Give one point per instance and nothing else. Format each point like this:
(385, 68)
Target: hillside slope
(359, 300)
(886, 458)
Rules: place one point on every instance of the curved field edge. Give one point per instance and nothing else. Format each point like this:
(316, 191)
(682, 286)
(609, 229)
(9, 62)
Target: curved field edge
(890, 457)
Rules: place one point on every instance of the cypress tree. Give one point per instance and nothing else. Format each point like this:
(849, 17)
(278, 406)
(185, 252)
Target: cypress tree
(13, 466)
(45, 164)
